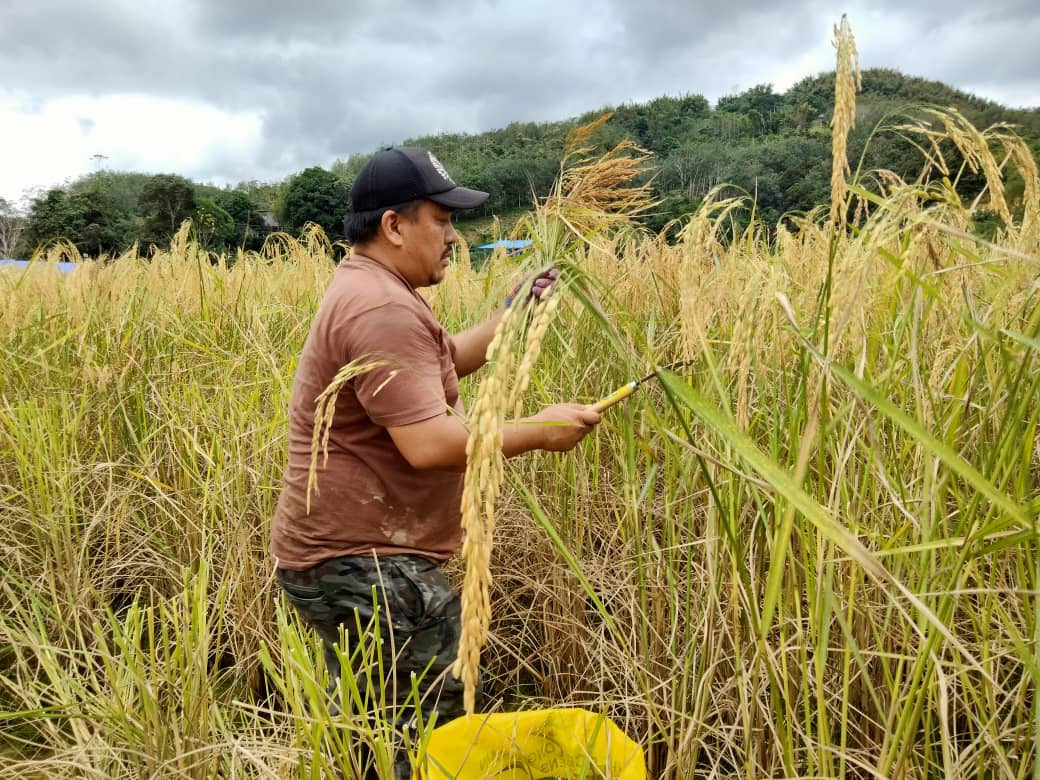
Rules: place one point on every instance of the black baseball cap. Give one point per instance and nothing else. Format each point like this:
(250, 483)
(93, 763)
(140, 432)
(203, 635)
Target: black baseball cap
(404, 173)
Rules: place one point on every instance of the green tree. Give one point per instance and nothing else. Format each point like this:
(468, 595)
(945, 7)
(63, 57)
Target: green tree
(315, 195)
(49, 218)
(347, 170)
(166, 201)
(12, 224)
(760, 105)
(266, 195)
(91, 219)
(123, 187)
(214, 226)
(668, 213)
(247, 216)
(101, 223)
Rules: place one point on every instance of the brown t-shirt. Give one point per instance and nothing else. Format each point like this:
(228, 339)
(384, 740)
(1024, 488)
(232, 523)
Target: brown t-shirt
(370, 498)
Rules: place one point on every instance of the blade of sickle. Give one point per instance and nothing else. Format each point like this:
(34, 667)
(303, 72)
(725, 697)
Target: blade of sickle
(626, 390)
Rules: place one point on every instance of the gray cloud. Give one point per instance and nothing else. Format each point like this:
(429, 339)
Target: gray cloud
(333, 77)
(662, 27)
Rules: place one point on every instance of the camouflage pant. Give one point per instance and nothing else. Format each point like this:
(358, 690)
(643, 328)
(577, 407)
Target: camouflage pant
(418, 620)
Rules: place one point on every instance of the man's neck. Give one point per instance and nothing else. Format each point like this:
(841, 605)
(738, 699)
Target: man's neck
(385, 259)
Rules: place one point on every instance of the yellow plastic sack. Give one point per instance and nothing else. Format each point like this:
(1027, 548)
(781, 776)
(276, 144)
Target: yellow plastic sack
(563, 743)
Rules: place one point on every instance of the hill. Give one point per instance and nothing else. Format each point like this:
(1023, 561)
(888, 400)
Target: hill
(774, 146)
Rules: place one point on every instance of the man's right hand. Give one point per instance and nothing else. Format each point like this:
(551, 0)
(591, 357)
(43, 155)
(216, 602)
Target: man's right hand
(440, 442)
(562, 426)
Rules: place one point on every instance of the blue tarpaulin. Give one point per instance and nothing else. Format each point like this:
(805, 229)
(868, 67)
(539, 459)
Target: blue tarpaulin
(61, 266)
(507, 244)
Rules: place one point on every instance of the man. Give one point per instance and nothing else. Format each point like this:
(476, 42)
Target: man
(387, 511)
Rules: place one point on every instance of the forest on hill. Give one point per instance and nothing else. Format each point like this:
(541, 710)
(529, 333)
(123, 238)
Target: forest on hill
(774, 146)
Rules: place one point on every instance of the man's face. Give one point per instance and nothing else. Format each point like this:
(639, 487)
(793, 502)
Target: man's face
(428, 237)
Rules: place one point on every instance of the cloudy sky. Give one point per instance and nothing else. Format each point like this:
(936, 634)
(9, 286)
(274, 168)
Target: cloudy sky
(231, 90)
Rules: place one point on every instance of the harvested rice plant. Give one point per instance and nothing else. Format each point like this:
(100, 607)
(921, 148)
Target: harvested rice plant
(809, 549)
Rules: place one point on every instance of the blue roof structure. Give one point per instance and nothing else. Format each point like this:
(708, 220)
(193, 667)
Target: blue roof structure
(62, 266)
(507, 244)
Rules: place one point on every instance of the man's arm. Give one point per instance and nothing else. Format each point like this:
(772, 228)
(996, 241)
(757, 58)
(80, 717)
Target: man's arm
(471, 345)
(440, 442)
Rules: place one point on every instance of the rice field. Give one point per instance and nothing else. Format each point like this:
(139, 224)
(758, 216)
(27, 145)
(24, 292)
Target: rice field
(810, 550)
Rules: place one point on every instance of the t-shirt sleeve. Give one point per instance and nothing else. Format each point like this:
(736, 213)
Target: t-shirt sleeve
(408, 386)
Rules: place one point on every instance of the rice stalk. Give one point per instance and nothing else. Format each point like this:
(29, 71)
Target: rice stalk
(590, 197)
(540, 322)
(481, 486)
(847, 82)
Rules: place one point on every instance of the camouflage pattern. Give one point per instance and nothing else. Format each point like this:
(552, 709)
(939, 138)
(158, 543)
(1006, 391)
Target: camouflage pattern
(418, 619)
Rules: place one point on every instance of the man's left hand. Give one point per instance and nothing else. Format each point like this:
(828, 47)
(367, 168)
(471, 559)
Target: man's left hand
(539, 284)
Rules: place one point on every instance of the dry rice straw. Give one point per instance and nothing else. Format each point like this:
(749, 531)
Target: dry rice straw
(324, 409)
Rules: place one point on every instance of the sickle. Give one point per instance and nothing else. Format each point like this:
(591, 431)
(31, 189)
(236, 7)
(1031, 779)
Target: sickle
(626, 390)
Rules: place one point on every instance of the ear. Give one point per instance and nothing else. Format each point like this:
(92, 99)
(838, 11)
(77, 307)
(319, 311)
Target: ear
(390, 227)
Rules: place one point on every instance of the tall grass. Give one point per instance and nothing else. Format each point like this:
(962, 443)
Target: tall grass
(811, 552)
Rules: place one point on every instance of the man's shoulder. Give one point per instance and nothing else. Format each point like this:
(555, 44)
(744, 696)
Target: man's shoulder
(358, 288)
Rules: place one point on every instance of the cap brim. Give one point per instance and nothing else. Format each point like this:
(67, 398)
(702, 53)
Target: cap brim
(459, 198)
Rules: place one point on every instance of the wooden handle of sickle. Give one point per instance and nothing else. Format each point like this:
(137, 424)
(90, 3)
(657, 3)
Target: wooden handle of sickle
(620, 394)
